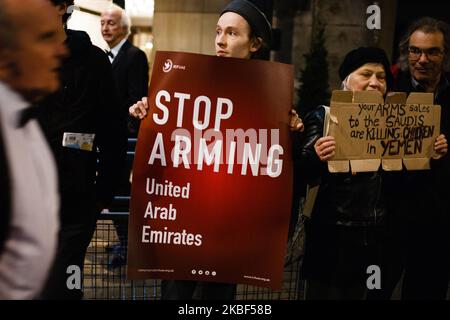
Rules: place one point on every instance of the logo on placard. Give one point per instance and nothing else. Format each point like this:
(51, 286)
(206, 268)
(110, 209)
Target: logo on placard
(167, 65)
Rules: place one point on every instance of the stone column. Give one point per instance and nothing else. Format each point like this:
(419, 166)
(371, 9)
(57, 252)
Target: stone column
(186, 25)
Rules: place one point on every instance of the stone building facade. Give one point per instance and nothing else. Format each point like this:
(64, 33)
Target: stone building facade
(189, 25)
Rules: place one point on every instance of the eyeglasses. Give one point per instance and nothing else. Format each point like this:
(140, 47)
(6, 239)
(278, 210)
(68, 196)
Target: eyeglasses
(431, 54)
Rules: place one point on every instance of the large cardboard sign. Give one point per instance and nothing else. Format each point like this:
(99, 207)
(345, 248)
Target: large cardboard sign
(212, 177)
(370, 131)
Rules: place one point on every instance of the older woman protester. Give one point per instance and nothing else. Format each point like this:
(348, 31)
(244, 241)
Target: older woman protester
(345, 233)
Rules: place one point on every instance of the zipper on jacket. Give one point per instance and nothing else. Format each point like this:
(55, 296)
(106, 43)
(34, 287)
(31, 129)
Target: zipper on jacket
(378, 197)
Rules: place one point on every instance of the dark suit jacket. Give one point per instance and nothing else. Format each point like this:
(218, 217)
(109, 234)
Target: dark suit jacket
(429, 188)
(130, 72)
(86, 103)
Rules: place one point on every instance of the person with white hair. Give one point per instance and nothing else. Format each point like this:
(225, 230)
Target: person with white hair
(129, 63)
(130, 73)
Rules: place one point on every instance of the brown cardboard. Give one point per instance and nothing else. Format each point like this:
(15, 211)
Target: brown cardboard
(392, 164)
(342, 96)
(369, 131)
(367, 97)
(421, 98)
(338, 166)
(396, 97)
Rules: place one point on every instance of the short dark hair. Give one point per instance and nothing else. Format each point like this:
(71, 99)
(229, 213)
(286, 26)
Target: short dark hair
(58, 2)
(428, 25)
(69, 3)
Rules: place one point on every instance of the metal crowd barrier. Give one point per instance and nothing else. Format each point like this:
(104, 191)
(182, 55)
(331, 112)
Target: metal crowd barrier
(104, 279)
(105, 275)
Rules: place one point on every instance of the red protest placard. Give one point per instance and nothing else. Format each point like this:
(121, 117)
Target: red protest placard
(212, 176)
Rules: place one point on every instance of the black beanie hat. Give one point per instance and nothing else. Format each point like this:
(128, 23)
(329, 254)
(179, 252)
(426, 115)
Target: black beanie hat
(359, 57)
(255, 18)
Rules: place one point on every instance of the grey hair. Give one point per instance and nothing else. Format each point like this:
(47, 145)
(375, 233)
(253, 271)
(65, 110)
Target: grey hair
(125, 20)
(345, 84)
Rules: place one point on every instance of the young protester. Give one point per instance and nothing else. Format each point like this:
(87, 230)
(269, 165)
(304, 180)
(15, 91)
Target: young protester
(242, 31)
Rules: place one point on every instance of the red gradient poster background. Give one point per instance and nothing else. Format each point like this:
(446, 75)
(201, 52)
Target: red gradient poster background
(212, 224)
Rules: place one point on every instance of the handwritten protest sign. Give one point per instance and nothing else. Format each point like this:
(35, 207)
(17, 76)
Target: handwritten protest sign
(370, 131)
(212, 177)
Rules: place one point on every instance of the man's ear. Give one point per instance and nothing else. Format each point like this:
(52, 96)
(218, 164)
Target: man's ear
(62, 8)
(8, 65)
(256, 44)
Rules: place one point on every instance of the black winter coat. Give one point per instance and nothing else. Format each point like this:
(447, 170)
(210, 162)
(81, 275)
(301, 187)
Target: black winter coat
(130, 73)
(423, 196)
(343, 198)
(86, 103)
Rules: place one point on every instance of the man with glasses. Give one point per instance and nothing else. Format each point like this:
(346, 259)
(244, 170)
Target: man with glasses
(426, 56)
(418, 241)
